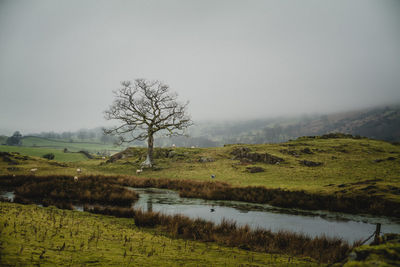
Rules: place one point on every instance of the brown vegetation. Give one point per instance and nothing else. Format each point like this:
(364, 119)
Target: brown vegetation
(356, 203)
(228, 233)
(63, 191)
(107, 190)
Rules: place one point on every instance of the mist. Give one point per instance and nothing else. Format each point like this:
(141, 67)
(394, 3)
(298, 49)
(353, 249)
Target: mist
(60, 60)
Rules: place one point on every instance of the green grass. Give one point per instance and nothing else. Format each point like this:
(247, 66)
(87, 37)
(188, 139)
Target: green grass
(345, 163)
(39, 152)
(32, 235)
(74, 146)
(385, 254)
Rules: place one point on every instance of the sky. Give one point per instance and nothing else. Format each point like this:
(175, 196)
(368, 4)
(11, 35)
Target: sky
(61, 60)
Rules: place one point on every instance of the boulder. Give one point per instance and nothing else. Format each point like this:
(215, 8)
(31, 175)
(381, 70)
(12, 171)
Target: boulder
(309, 163)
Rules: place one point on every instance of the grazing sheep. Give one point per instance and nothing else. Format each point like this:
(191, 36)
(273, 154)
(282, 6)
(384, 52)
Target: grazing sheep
(192, 147)
(76, 178)
(78, 170)
(173, 145)
(34, 170)
(103, 157)
(139, 171)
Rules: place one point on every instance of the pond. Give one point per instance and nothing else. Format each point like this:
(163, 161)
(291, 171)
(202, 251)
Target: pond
(313, 223)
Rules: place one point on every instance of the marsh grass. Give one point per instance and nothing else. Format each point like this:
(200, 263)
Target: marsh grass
(63, 191)
(355, 203)
(322, 249)
(109, 190)
(32, 235)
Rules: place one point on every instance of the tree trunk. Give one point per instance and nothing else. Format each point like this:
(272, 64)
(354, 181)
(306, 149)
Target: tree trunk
(149, 159)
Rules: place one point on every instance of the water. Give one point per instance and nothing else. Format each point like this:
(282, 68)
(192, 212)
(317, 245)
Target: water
(313, 223)
(7, 195)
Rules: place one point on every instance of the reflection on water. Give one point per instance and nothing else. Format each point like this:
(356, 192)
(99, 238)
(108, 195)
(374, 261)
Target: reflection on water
(313, 223)
(7, 195)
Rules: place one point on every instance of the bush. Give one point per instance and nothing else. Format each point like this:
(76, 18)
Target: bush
(49, 156)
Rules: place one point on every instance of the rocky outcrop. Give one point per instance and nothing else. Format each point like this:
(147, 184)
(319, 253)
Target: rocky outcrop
(309, 163)
(244, 154)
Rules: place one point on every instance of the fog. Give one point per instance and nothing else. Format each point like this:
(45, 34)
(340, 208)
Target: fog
(60, 60)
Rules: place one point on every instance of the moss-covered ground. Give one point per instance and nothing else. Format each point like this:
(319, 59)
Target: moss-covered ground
(32, 235)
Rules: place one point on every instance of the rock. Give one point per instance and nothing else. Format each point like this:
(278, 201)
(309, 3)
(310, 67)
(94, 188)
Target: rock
(306, 151)
(310, 163)
(240, 152)
(205, 160)
(255, 169)
(243, 154)
(171, 154)
(289, 152)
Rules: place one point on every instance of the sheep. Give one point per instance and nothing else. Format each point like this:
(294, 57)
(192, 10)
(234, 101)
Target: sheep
(103, 157)
(34, 170)
(139, 171)
(173, 145)
(78, 170)
(76, 178)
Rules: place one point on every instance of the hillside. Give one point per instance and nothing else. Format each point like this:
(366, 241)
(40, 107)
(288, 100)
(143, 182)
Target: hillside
(381, 123)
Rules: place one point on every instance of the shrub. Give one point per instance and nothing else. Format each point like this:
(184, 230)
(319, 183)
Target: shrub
(49, 156)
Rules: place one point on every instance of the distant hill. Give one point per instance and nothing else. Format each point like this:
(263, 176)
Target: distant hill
(381, 123)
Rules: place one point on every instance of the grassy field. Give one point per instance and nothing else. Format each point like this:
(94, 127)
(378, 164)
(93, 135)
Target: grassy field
(59, 155)
(32, 235)
(74, 146)
(362, 166)
(347, 167)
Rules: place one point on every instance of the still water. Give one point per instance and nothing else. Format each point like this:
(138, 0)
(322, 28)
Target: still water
(313, 223)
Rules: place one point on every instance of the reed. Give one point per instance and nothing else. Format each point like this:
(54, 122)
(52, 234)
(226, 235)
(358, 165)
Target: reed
(322, 248)
(63, 191)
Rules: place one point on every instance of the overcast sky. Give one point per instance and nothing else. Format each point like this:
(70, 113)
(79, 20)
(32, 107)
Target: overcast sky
(60, 60)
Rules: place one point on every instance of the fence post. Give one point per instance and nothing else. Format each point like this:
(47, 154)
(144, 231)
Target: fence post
(377, 233)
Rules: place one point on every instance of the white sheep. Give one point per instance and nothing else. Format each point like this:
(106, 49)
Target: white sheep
(139, 171)
(34, 170)
(173, 145)
(78, 170)
(76, 178)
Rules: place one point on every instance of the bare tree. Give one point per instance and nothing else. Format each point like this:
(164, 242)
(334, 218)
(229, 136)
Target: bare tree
(145, 108)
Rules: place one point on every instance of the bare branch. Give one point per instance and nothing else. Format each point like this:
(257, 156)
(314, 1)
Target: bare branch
(144, 108)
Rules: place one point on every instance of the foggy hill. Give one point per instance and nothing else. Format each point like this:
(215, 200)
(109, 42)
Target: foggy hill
(381, 123)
